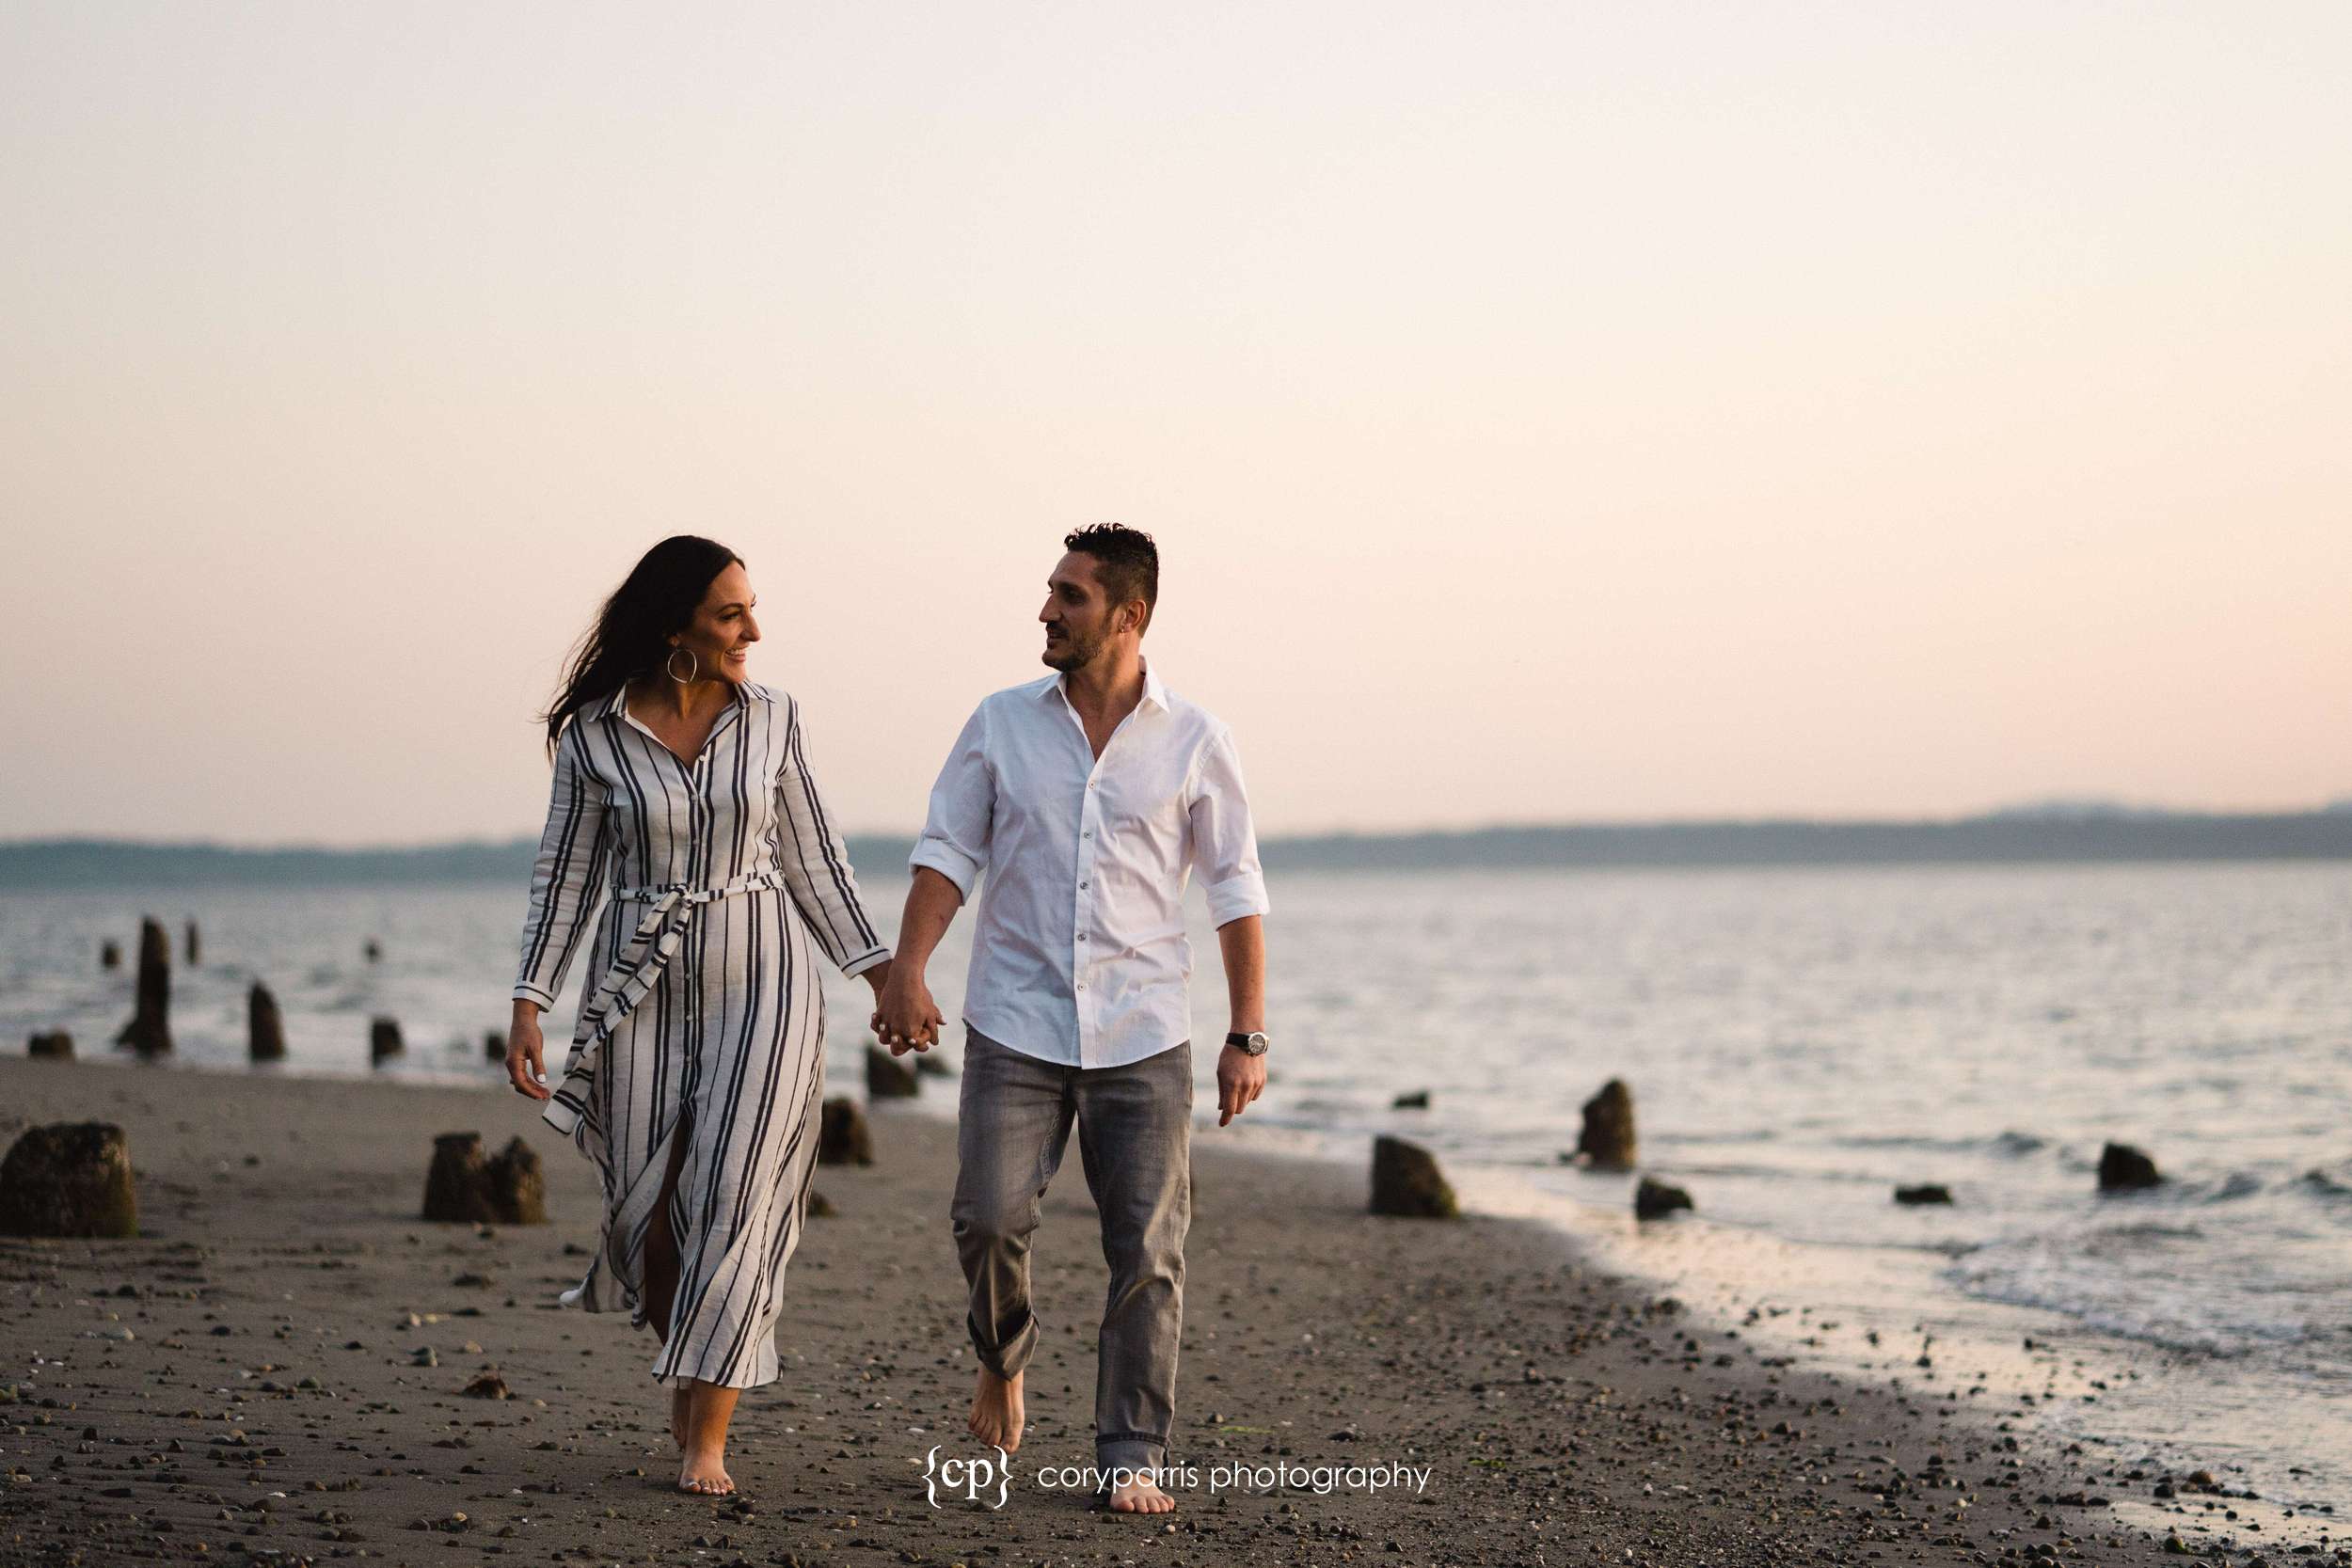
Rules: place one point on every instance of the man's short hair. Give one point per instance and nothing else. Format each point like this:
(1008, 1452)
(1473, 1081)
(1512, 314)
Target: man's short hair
(1126, 561)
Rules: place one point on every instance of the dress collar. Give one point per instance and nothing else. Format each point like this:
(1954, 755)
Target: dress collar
(616, 708)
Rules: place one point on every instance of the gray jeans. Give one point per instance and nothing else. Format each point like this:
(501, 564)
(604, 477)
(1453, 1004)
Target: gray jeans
(1135, 1135)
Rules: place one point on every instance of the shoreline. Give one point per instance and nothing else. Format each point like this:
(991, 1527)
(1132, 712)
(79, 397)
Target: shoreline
(282, 1288)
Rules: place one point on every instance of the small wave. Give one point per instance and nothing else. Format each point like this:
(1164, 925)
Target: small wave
(2320, 1183)
(2149, 1230)
(1747, 1135)
(2237, 1184)
(1905, 1140)
(2016, 1144)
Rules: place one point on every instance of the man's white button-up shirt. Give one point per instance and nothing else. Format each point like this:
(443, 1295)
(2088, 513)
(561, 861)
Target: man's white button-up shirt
(1080, 956)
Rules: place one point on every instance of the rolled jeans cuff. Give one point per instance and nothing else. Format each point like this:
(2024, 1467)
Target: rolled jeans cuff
(1130, 1452)
(1009, 1359)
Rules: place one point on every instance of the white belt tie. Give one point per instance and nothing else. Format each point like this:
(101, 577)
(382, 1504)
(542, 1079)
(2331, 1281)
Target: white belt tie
(646, 954)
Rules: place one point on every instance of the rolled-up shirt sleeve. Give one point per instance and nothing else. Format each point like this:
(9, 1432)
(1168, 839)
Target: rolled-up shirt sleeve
(1224, 843)
(566, 879)
(956, 829)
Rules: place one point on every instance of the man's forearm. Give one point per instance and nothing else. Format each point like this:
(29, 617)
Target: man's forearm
(932, 901)
(1242, 942)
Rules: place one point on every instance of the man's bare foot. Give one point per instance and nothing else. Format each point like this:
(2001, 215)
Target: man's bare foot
(997, 1413)
(677, 1415)
(1140, 1494)
(706, 1475)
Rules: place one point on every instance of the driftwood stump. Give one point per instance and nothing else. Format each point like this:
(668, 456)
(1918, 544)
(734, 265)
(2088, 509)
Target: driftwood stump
(463, 1188)
(518, 1190)
(888, 1078)
(843, 1137)
(384, 1038)
(1607, 1142)
(2125, 1169)
(1655, 1200)
(1407, 1183)
(150, 1029)
(266, 1030)
(72, 1178)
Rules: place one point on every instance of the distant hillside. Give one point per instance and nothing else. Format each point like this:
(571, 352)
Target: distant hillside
(2320, 835)
(2139, 836)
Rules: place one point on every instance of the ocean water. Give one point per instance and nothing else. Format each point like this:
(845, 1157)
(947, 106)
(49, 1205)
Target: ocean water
(1798, 1042)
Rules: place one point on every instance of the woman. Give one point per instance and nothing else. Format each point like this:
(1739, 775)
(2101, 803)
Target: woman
(696, 1069)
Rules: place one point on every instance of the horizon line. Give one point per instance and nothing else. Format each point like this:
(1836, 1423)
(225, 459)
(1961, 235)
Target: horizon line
(2054, 811)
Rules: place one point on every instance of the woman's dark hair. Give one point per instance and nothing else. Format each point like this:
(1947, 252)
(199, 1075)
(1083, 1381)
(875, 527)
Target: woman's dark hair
(633, 632)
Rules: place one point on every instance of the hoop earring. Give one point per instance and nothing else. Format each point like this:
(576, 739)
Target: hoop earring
(694, 661)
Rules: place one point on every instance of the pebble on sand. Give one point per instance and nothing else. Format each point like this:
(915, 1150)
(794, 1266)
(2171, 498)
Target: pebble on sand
(1407, 1184)
(1413, 1100)
(57, 1046)
(69, 1179)
(1928, 1192)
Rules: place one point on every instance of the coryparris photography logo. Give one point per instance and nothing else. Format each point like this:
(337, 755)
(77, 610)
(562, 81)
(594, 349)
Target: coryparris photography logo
(968, 1480)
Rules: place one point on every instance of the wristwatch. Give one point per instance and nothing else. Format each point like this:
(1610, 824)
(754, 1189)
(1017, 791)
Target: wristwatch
(1249, 1045)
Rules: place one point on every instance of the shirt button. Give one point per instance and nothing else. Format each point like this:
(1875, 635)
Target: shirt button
(1081, 985)
(1090, 832)
(1082, 887)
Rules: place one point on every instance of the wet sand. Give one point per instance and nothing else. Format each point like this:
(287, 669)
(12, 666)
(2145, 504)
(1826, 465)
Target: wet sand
(277, 1369)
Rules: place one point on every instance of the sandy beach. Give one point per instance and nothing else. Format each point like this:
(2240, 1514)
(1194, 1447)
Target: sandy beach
(276, 1369)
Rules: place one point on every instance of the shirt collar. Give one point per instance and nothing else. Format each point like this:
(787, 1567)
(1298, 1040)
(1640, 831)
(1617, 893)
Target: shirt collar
(1153, 693)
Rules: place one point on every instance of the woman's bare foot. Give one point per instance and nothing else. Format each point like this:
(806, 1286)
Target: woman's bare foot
(706, 1475)
(997, 1413)
(1140, 1494)
(704, 1439)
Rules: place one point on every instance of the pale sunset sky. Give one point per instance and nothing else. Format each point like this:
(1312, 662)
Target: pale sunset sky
(1547, 411)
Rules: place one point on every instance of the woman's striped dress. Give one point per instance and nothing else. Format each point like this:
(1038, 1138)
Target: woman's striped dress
(708, 1023)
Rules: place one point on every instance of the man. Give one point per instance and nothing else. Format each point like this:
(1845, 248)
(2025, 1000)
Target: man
(1086, 798)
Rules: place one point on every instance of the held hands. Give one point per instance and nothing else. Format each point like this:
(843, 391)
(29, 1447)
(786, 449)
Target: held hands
(905, 1017)
(526, 1054)
(1240, 1080)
